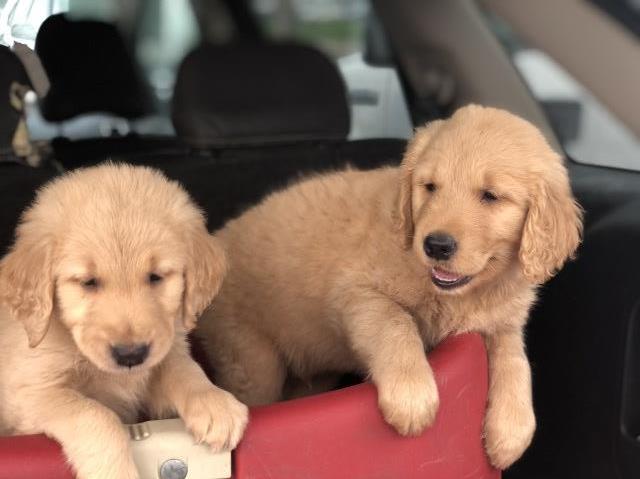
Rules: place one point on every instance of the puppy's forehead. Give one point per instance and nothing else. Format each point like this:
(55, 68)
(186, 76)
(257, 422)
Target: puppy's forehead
(106, 195)
(486, 146)
(131, 239)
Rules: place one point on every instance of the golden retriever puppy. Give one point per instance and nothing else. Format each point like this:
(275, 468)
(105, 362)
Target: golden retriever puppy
(110, 268)
(364, 270)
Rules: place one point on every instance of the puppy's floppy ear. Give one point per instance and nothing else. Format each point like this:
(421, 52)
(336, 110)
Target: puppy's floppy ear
(26, 279)
(553, 226)
(415, 149)
(205, 271)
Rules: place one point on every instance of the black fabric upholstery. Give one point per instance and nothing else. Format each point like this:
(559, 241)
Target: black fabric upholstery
(256, 93)
(11, 70)
(90, 70)
(226, 181)
(242, 177)
(77, 153)
(18, 185)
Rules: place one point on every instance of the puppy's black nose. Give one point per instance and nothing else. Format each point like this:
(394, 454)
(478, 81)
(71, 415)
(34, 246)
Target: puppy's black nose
(130, 355)
(440, 245)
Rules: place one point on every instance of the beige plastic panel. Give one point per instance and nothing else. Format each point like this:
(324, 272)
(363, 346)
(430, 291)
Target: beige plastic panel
(452, 36)
(593, 47)
(166, 445)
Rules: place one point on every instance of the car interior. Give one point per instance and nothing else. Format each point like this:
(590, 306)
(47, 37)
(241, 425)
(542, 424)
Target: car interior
(250, 109)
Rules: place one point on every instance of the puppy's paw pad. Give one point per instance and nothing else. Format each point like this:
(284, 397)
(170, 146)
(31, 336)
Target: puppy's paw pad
(217, 418)
(409, 407)
(507, 436)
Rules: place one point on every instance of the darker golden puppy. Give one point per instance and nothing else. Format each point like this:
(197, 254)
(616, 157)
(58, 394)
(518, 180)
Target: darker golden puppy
(363, 270)
(110, 268)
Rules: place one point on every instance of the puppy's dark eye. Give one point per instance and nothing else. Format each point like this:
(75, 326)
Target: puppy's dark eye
(154, 278)
(488, 196)
(430, 187)
(91, 283)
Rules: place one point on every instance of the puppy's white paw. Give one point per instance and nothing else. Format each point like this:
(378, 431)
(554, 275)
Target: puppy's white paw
(508, 431)
(409, 405)
(216, 417)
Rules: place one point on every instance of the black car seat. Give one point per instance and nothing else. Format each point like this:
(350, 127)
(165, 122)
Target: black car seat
(90, 70)
(265, 113)
(258, 93)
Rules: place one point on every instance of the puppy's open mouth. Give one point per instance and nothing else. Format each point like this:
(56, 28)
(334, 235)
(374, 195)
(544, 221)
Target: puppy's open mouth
(446, 279)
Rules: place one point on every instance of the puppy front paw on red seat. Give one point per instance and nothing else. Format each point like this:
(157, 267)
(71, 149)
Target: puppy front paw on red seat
(340, 434)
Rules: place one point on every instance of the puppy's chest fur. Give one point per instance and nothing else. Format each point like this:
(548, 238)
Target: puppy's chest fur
(437, 319)
(438, 316)
(125, 394)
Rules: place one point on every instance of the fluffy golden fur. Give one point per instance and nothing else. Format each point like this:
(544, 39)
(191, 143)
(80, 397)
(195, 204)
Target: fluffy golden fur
(331, 274)
(77, 282)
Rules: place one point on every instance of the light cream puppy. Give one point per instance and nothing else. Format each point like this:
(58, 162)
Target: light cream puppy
(110, 268)
(363, 270)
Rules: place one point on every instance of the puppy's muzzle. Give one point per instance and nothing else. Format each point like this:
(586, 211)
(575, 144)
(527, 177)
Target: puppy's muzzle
(440, 246)
(129, 355)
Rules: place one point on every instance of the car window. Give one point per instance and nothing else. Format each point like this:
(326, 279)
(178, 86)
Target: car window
(20, 19)
(340, 29)
(588, 131)
(167, 31)
(626, 12)
(160, 33)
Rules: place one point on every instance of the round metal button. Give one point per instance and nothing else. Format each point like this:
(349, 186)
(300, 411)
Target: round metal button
(173, 469)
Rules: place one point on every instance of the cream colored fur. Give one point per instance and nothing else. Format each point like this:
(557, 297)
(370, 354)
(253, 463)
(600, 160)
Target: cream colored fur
(330, 274)
(116, 224)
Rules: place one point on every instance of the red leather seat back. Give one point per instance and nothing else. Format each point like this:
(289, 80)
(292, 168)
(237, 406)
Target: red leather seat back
(340, 434)
(32, 457)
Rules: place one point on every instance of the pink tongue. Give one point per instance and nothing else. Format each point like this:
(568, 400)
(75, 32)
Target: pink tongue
(445, 275)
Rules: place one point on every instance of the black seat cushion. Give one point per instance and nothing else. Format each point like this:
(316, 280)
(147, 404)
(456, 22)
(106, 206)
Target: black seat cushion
(11, 70)
(18, 185)
(90, 70)
(257, 93)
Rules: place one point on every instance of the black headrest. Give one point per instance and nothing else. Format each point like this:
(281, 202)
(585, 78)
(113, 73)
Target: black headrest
(90, 70)
(11, 70)
(258, 93)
